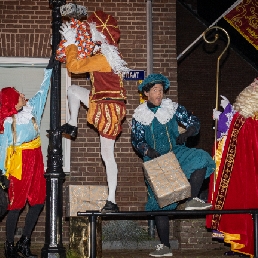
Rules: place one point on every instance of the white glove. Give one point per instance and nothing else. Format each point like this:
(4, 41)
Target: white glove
(224, 102)
(216, 114)
(68, 33)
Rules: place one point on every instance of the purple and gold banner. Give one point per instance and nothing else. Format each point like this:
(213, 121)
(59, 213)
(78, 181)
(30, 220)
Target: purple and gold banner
(244, 18)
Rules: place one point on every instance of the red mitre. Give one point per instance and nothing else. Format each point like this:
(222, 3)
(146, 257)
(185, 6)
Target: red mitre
(9, 98)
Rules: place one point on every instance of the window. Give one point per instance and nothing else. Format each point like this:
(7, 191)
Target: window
(26, 75)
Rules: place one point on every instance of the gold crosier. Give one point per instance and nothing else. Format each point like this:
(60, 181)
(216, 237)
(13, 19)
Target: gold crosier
(217, 84)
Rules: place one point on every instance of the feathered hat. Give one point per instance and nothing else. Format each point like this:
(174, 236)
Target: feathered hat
(106, 25)
(104, 30)
(9, 98)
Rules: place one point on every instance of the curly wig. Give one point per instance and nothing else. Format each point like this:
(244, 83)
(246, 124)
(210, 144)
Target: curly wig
(247, 101)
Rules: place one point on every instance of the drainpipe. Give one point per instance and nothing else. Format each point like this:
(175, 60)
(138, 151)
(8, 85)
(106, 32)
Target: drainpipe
(149, 38)
(151, 223)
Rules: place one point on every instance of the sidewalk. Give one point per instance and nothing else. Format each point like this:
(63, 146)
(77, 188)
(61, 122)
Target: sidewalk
(145, 253)
(176, 254)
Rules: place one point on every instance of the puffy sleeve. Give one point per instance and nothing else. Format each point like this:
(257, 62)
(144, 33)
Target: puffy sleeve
(187, 119)
(5, 138)
(38, 101)
(97, 63)
(224, 121)
(138, 138)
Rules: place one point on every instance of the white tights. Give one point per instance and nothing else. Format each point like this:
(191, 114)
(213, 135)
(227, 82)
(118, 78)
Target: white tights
(107, 153)
(75, 95)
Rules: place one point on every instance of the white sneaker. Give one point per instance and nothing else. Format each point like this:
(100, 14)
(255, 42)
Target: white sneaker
(197, 204)
(161, 251)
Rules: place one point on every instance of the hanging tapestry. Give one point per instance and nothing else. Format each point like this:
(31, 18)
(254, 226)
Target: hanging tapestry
(244, 18)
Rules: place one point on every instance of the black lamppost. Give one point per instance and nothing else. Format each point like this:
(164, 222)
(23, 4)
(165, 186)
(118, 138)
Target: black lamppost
(55, 176)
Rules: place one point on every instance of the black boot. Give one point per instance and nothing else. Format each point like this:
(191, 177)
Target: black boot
(23, 247)
(231, 253)
(10, 250)
(70, 130)
(110, 207)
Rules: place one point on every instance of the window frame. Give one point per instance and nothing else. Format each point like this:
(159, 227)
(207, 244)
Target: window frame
(42, 62)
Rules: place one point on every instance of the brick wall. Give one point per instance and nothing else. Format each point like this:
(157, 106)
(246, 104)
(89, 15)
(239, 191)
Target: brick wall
(25, 29)
(192, 234)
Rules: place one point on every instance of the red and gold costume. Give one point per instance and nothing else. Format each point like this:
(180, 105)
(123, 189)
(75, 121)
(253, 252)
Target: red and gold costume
(107, 98)
(237, 180)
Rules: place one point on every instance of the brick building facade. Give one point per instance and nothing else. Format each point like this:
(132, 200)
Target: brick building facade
(25, 31)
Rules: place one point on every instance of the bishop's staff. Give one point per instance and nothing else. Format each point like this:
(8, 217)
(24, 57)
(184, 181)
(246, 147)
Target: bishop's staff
(210, 27)
(217, 83)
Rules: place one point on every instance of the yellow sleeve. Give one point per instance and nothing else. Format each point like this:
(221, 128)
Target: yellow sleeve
(96, 63)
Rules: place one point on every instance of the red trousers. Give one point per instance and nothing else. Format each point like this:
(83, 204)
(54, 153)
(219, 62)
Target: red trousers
(32, 186)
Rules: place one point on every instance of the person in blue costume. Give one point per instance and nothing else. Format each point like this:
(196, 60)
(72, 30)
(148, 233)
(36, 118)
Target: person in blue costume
(21, 160)
(154, 133)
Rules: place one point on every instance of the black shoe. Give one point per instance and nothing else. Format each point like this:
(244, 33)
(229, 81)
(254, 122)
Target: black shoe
(110, 207)
(70, 130)
(230, 253)
(23, 247)
(10, 250)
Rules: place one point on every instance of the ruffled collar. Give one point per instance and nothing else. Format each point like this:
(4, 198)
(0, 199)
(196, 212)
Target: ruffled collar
(22, 117)
(166, 111)
(25, 115)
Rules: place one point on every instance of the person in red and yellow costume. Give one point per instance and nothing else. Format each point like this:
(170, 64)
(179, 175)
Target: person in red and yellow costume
(236, 178)
(106, 100)
(21, 160)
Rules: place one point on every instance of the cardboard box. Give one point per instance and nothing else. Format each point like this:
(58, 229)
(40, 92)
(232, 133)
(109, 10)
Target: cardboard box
(167, 179)
(86, 197)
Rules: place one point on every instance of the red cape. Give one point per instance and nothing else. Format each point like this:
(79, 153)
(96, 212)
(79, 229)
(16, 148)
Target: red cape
(240, 157)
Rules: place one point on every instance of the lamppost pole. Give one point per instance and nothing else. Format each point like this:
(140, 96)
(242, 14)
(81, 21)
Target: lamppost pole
(55, 176)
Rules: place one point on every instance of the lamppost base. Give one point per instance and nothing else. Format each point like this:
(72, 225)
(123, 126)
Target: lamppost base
(53, 252)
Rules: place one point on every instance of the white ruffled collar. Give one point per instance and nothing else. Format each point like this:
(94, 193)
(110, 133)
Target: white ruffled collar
(22, 117)
(166, 111)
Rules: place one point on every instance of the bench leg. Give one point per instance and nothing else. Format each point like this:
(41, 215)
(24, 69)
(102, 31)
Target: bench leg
(92, 220)
(255, 218)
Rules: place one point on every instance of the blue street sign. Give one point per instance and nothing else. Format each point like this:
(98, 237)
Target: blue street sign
(134, 75)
